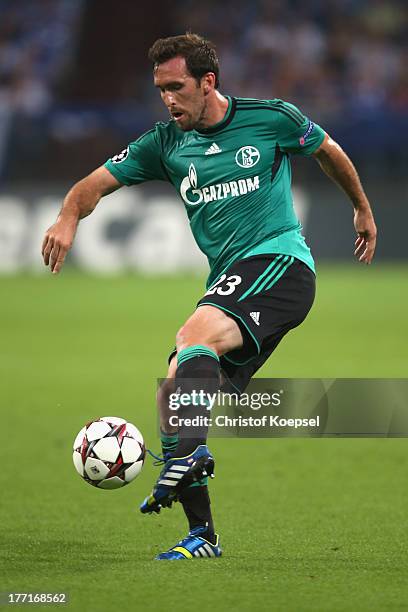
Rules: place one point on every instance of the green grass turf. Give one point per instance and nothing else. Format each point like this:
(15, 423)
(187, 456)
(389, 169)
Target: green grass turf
(306, 524)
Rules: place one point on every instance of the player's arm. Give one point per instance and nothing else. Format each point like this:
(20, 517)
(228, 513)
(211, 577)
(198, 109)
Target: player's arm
(338, 166)
(79, 202)
(141, 161)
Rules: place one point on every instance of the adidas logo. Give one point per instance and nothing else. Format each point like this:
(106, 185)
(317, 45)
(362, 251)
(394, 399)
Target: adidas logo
(213, 149)
(255, 317)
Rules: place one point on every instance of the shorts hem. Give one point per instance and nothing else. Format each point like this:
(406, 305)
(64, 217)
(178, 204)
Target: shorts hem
(236, 316)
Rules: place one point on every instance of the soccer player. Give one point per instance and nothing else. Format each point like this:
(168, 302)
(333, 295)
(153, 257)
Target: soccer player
(229, 159)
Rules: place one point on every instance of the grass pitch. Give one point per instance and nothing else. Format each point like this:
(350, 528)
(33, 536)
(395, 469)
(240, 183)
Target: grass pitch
(306, 524)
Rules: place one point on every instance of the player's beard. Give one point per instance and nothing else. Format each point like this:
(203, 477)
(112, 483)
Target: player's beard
(192, 123)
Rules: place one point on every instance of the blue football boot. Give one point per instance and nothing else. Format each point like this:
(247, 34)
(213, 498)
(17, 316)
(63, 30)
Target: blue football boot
(193, 546)
(177, 474)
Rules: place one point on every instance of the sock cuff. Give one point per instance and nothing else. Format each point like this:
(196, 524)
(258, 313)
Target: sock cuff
(200, 483)
(198, 350)
(169, 438)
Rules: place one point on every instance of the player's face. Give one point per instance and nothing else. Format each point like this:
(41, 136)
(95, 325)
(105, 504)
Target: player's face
(181, 93)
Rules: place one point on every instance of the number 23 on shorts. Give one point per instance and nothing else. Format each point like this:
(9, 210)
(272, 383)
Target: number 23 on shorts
(231, 283)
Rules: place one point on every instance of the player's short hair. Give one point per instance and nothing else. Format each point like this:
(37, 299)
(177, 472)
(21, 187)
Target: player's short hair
(199, 54)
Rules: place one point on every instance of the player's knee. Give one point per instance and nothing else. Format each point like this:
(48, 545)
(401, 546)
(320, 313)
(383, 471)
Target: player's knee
(188, 335)
(183, 337)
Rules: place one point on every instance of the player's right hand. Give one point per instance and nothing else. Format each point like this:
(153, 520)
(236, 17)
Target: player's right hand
(57, 241)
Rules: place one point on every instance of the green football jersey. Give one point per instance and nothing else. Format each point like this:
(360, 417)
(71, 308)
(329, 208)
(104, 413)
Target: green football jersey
(234, 178)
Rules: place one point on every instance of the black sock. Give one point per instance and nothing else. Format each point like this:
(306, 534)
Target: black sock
(198, 370)
(198, 374)
(197, 508)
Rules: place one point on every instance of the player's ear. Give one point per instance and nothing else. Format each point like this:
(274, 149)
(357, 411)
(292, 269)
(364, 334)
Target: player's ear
(208, 82)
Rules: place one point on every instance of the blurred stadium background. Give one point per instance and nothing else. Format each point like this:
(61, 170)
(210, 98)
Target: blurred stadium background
(75, 88)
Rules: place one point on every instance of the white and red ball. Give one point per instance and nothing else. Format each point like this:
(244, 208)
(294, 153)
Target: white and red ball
(109, 452)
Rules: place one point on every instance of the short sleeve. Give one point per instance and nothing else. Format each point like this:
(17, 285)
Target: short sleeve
(296, 133)
(139, 162)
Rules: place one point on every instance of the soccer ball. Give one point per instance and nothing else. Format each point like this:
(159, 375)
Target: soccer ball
(109, 453)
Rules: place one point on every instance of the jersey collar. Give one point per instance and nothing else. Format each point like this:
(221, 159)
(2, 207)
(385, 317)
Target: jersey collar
(226, 120)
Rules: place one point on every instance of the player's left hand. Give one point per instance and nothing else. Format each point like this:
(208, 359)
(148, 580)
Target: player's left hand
(366, 235)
